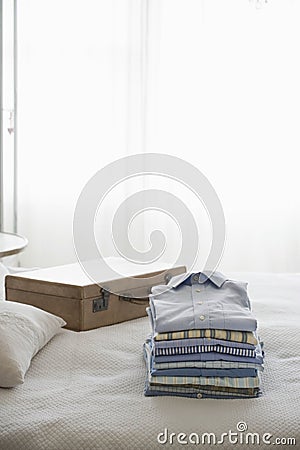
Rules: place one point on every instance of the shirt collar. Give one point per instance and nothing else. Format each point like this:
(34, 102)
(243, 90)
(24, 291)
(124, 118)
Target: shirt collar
(201, 277)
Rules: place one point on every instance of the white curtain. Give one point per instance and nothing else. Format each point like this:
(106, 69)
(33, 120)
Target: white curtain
(81, 106)
(214, 82)
(224, 93)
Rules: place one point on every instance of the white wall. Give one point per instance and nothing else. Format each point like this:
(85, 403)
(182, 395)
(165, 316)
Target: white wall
(223, 92)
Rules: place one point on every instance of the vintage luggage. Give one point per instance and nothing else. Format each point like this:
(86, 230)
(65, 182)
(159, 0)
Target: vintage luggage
(68, 292)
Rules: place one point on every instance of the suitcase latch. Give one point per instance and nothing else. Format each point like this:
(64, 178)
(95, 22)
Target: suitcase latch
(101, 303)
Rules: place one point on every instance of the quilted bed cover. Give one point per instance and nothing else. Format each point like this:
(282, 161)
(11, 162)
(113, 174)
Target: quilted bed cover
(85, 390)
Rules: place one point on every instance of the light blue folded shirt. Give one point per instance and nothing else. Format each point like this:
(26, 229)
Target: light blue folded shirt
(201, 301)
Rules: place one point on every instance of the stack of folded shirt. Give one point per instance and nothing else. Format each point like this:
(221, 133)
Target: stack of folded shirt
(203, 342)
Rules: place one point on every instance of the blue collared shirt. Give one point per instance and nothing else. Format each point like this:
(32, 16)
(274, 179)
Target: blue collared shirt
(201, 301)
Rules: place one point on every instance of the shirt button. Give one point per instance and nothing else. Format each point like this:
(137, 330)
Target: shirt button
(199, 395)
(202, 317)
(198, 290)
(199, 303)
(196, 278)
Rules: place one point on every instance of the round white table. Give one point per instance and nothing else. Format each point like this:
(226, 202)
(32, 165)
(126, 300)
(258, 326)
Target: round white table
(11, 243)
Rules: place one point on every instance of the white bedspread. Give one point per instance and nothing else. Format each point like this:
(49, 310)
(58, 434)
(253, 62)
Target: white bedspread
(85, 390)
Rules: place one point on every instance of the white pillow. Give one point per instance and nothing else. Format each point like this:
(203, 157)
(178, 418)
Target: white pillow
(24, 330)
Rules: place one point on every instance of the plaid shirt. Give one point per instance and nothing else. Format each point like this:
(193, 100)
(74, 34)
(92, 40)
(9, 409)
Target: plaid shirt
(245, 382)
(228, 335)
(208, 365)
(205, 392)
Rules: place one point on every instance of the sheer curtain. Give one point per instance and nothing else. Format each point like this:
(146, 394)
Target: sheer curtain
(224, 93)
(213, 82)
(81, 90)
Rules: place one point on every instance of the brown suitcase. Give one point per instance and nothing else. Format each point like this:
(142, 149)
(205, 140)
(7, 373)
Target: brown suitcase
(68, 292)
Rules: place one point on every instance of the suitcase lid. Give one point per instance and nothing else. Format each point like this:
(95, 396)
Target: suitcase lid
(71, 280)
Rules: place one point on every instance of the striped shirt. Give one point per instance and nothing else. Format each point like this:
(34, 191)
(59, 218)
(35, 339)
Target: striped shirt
(204, 349)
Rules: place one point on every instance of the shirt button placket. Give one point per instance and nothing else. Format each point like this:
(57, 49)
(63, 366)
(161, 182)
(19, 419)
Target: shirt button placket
(199, 307)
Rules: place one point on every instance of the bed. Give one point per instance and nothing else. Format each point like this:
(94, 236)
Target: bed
(85, 390)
